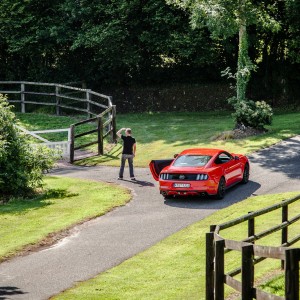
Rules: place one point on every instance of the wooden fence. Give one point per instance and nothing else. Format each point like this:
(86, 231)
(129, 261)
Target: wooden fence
(251, 254)
(96, 106)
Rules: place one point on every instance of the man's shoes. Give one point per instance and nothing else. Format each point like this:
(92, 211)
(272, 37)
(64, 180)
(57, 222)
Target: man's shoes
(120, 178)
(133, 178)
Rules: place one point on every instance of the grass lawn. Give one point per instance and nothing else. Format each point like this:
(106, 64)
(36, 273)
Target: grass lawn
(175, 267)
(64, 203)
(161, 135)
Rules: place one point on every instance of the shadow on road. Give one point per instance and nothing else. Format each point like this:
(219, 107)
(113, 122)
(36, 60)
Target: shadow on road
(233, 195)
(283, 158)
(9, 291)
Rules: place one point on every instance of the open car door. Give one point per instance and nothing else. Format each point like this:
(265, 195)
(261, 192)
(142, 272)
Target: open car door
(157, 165)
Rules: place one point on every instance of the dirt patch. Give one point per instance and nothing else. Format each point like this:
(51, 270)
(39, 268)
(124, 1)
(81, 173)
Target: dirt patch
(238, 133)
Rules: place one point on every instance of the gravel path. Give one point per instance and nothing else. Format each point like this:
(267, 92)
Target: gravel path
(102, 243)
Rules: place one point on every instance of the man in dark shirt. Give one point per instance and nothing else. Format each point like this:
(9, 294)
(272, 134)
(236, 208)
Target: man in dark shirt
(128, 153)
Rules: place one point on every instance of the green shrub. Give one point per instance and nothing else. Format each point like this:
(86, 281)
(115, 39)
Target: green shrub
(21, 166)
(253, 114)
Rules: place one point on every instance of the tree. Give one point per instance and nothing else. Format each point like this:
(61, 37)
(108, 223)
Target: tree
(21, 166)
(224, 19)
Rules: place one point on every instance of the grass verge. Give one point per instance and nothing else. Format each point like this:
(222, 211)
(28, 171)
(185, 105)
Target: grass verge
(64, 203)
(175, 267)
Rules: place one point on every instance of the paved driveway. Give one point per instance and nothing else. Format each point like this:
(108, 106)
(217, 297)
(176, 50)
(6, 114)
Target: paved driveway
(107, 241)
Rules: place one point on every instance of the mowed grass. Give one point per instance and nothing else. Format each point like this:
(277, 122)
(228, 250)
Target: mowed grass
(161, 135)
(64, 203)
(175, 267)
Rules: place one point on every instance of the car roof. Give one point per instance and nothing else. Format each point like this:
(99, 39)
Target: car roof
(201, 151)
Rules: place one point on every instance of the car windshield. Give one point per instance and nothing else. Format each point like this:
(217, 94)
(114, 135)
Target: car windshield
(191, 161)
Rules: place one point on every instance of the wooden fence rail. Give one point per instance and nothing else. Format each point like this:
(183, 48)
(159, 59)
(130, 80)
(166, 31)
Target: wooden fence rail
(98, 107)
(251, 254)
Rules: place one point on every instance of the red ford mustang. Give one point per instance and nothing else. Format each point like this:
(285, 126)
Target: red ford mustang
(200, 172)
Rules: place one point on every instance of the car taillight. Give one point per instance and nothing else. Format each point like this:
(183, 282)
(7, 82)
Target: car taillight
(164, 176)
(202, 177)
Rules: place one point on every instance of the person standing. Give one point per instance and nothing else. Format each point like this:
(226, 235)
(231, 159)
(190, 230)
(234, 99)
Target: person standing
(128, 153)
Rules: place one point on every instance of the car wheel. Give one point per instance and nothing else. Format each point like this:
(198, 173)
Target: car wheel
(221, 189)
(246, 174)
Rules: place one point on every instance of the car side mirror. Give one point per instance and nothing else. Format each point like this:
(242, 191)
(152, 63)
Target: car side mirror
(236, 158)
(175, 155)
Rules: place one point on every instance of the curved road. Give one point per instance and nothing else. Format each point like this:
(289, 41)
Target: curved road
(102, 243)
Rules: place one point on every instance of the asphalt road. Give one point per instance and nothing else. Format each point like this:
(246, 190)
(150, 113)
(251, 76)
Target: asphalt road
(102, 243)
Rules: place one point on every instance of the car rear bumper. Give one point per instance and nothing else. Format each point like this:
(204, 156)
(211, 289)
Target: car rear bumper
(196, 188)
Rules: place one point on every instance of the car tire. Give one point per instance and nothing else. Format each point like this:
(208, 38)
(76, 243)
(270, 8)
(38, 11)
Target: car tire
(246, 174)
(221, 189)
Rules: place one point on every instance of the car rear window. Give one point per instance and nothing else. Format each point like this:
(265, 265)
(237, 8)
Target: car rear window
(191, 160)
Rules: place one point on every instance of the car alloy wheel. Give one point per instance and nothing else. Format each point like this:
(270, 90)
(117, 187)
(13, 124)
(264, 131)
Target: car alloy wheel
(246, 174)
(221, 189)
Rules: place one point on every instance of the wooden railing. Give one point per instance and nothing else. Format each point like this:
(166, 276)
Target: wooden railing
(105, 125)
(217, 247)
(98, 107)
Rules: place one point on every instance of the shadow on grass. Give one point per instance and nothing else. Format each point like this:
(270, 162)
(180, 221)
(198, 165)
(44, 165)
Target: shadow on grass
(233, 195)
(9, 291)
(19, 206)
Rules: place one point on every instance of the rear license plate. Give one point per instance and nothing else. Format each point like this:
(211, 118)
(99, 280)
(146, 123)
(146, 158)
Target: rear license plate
(182, 185)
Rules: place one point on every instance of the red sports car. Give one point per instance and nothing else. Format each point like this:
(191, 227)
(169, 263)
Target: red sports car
(200, 172)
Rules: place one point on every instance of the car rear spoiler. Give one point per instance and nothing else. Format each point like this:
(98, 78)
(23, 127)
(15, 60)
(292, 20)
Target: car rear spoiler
(156, 166)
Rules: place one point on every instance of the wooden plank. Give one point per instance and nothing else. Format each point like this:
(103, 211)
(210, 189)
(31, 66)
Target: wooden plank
(284, 231)
(235, 284)
(98, 104)
(114, 124)
(51, 130)
(261, 295)
(209, 276)
(107, 122)
(10, 92)
(86, 121)
(100, 95)
(85, 133)
(72, 98)
(39, 93)
(40, 103)
(31, 133)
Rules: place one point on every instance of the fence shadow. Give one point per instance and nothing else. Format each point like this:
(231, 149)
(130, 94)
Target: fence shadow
(7, 291)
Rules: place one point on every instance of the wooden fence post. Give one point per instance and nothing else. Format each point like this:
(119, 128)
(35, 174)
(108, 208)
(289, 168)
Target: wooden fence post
(209, 294)
(23, 110)
(114, 124)
(292, 257)
(72, 143)
(284, 231)
(57, 92)
(251, 226)
(100, 135)
(88, 104)
(247, 272)
(219, 270)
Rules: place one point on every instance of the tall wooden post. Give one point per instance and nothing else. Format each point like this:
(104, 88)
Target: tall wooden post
(72, 143)
(284, 231)
(292, 257)
(88, 104)
(57, 92)
(100, 135)
(219, 270)
(114, 125)
(23, 110)
(209, 276)
(247, 272)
